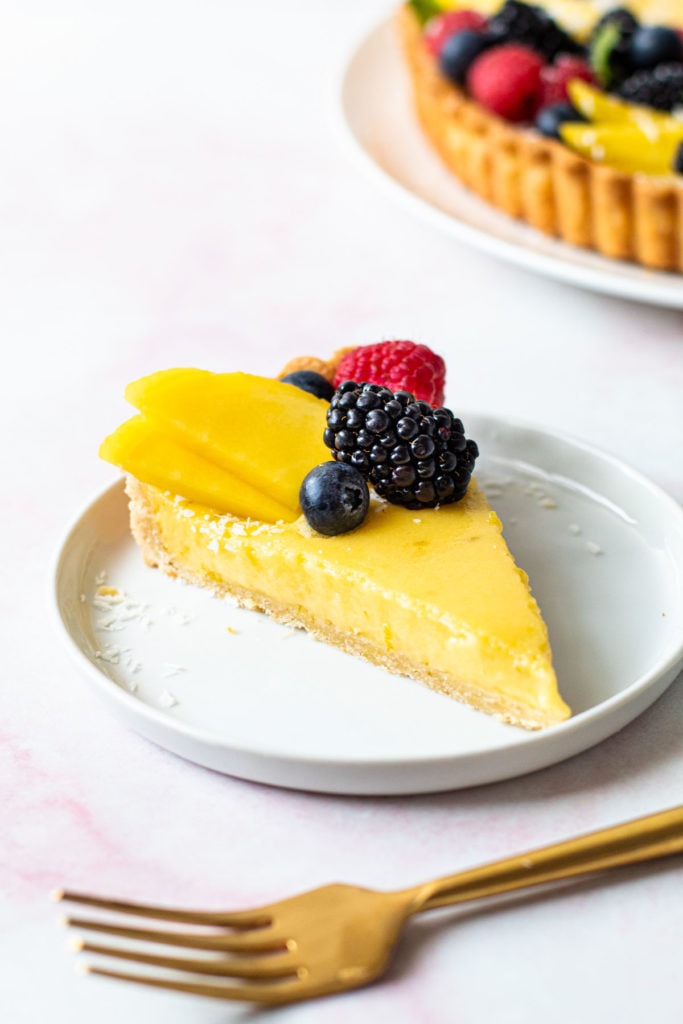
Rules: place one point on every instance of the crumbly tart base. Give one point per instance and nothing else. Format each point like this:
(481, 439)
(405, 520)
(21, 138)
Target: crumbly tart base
(145, 530)
(540, 181)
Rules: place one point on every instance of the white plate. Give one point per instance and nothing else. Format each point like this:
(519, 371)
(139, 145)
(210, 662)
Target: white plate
(604, 551)
(377, 113)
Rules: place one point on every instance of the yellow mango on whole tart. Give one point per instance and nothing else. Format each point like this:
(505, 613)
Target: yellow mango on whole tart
(144, 451)
(625, 147)
(265, 433)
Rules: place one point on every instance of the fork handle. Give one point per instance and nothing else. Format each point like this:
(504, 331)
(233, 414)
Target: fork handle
(657, 835)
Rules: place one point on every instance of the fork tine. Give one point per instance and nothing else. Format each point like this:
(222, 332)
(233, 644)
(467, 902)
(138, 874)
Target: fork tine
(277, 992)
(230, 919)
(248, 942)
(279, 966)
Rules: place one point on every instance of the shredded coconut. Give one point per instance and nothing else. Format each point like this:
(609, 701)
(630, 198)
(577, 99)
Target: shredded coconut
(172, 670)
(110, 654)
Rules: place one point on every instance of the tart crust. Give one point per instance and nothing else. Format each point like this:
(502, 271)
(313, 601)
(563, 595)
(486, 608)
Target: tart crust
(540, 181)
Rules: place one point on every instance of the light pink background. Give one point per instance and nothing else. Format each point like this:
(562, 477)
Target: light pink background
(172, 191)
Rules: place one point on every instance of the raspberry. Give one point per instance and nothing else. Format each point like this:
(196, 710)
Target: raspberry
(443, 26)
(398, 365)
(413, 455)
(507, 80)
(554, 79)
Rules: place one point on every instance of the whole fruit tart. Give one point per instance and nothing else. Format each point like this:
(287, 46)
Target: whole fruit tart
(566, 115)
(339, 498)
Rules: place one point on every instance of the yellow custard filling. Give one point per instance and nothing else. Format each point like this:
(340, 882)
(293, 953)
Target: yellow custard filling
(435, 594)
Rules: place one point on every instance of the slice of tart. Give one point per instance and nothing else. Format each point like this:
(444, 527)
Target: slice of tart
(432, 593)
(494, 107)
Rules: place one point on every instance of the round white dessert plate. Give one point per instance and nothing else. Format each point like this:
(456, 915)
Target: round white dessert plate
(232, 690)
(378, 119)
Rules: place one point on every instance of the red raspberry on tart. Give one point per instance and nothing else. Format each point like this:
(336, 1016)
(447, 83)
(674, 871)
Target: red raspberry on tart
(507, 81)
(399, 366)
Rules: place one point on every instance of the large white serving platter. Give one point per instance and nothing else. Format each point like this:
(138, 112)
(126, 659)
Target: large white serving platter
(604, 551)
(378, 120)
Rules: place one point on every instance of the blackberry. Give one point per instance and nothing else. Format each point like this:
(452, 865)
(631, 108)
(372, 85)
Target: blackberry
(531, 26)
(609, 46)
(662, 87)
(413, 455)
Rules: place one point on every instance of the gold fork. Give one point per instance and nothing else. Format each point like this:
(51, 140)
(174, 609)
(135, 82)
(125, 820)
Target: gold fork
(340, 937)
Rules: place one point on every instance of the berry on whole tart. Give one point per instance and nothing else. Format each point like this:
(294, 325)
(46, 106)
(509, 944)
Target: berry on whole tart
(346, 508)
(561, 113)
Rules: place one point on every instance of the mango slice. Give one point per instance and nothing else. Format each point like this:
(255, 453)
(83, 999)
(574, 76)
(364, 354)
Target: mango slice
(146, 453)
(626, 147)
(265, 433)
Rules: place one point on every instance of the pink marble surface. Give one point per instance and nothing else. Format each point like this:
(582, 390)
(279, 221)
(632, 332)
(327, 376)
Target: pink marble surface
(172, 192)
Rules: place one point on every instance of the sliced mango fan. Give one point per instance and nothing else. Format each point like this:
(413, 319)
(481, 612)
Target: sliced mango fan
(626, 136)
(210, 437)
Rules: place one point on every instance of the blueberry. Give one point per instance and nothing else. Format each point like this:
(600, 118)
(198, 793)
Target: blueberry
(459, 51)
(549, 119)
(307, 380)
(654, 44)
(334, 498)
